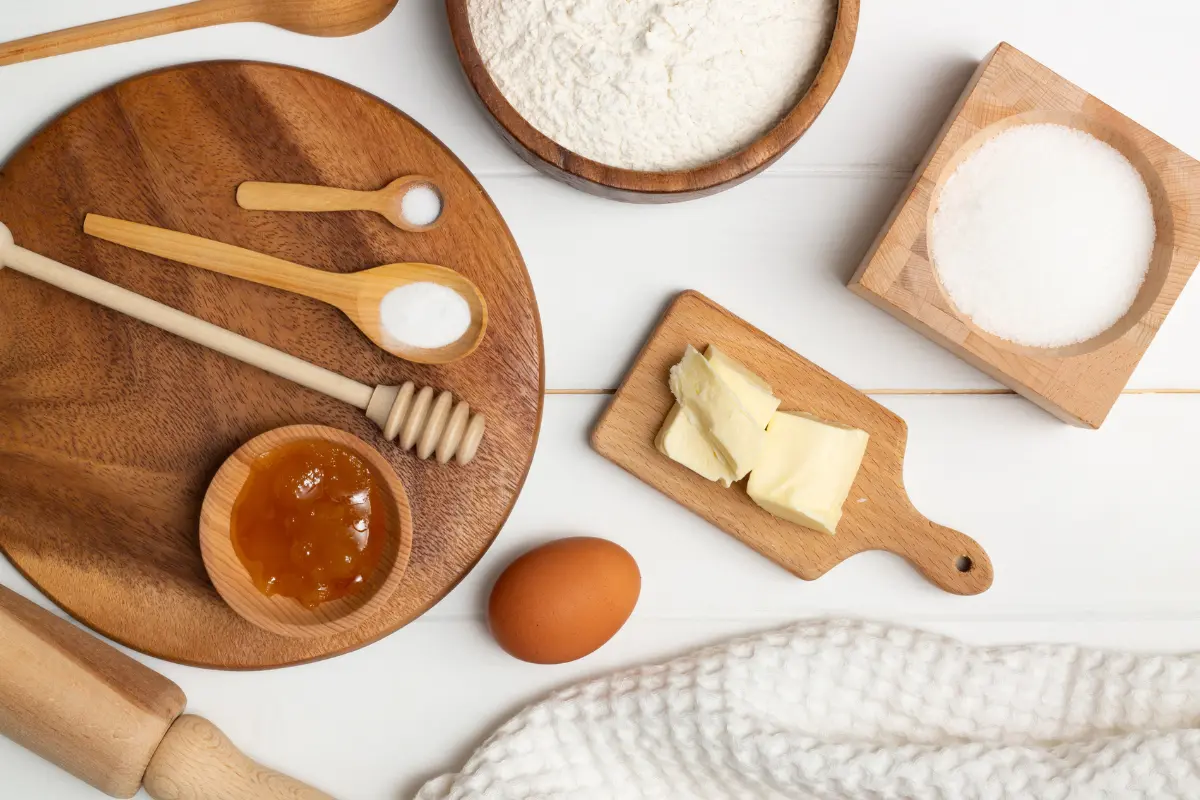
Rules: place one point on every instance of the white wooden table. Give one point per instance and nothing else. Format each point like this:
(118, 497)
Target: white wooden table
(1095, 536)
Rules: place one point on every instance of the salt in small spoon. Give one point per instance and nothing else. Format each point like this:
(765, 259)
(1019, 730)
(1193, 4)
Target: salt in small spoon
(388, 201)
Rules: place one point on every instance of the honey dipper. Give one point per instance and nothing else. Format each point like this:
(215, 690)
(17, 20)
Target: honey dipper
(435, 427)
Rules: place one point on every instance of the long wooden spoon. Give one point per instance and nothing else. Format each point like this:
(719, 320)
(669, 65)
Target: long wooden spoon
(358, 294)
(311, 17)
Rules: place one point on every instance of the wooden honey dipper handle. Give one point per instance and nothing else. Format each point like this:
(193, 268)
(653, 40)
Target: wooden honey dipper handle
(177, 322)
(432, 426)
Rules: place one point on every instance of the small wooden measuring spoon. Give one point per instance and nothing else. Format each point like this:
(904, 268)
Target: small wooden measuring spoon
(388, 201)
(357, 294)
(311, 17)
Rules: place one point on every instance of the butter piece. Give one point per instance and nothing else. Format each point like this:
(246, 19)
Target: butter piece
(806, 470)
(682, 441)
(714, 408)
(755, 393)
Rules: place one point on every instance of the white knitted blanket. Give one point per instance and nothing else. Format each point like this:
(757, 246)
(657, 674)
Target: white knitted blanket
(836, 710)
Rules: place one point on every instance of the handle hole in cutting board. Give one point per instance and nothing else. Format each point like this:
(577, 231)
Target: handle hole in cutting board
(964, 564)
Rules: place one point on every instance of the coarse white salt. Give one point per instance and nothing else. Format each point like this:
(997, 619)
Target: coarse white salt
(421, 205)
(425, 315)
(1043, 236)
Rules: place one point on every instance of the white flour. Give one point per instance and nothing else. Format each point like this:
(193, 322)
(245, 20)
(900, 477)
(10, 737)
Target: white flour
(652, 84)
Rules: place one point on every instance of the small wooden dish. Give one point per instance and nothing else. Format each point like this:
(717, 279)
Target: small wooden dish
(1078, 383)
(284, 615)
(637, 186)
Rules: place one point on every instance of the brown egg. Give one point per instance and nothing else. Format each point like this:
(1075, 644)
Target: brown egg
(561, 601)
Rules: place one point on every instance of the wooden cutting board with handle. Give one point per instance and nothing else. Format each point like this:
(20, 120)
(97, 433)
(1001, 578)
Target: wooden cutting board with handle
(110, 429)
(877, 515)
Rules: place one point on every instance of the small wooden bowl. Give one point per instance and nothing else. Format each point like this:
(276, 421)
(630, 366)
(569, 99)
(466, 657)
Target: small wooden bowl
(284, 615)
(638, 186)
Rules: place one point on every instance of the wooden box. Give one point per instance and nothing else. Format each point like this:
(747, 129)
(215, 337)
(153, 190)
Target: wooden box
(1078, 383)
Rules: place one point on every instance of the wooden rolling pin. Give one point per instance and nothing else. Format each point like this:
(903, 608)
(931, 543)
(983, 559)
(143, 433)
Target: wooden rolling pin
(113, 722)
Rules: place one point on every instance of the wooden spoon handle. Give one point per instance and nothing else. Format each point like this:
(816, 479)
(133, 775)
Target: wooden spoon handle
(223, 258)
(199, 14)
(256, 196)
(181, 324)
(196, 761)
(951, 560)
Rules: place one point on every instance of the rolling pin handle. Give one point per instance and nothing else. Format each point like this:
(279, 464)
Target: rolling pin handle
(196, 761)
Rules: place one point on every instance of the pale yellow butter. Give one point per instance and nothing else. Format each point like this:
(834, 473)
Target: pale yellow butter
(682, 441)
(806, 470)
(756, 395)
(715, 409)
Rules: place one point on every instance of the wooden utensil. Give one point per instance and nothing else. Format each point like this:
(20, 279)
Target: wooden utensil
(311, 17)
(114, 723)
(877, 515)
(388, 201)
(110, 429)
(398, 410)
(357, 294)
(638, 186)
(284, 615)
(1078, 384)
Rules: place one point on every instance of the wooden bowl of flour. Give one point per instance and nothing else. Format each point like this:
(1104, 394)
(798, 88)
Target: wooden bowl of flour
(670, 185)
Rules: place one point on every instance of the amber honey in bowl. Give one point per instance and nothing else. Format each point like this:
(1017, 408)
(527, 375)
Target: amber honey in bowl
(310, 521)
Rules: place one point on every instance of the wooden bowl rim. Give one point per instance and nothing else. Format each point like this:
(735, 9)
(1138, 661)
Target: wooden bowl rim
(680, 184)
(281, 615)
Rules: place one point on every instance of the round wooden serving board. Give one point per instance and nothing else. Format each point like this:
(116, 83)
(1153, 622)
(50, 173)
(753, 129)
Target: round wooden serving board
(110, 430)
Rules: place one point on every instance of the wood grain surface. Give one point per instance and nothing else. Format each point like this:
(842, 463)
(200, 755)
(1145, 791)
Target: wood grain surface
(1080, 383)
(877, 515)
(638, 186)
(112, 429)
